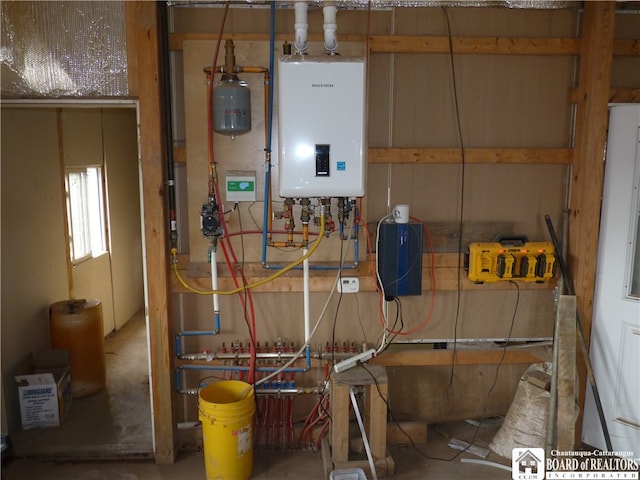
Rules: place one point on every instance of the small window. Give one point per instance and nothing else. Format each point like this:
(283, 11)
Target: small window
(85, 210)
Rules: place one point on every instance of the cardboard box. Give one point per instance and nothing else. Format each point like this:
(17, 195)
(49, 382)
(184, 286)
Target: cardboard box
(45, 389)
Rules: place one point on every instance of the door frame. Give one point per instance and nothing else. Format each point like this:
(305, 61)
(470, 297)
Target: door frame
(120, 103)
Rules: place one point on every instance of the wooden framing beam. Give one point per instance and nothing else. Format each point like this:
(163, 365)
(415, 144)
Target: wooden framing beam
(433, 44)
(588, 167)
(143, 36)
(616, 95)
(453, 155)
(446, 275)
(474, 45)
(494, 356)
(471, 155)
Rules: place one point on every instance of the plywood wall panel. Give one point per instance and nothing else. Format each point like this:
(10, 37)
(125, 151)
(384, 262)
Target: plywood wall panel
(244, 152)
(380, 95)
(492, 193)
(432, 191)
(487, 22)
(627, 25)
(504, 101)
(625, 72)
(425, 393)
(483, 314)
(520, 193)
(423, 108)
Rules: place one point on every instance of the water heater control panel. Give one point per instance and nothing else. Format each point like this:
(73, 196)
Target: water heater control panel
(321, 126)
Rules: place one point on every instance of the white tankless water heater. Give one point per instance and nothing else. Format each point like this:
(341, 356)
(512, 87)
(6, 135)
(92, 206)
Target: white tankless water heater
(321, 126)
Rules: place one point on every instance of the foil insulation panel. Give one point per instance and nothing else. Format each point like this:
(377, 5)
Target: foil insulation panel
(55, 49)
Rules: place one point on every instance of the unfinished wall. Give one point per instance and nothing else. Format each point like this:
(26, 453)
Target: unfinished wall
(505, 101)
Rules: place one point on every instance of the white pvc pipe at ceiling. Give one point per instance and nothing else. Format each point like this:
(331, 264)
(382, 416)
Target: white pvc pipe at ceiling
(330, 27)
(300, 26)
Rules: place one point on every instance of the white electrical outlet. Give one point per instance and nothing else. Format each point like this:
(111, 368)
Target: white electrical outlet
(350, 362)
(348, 285)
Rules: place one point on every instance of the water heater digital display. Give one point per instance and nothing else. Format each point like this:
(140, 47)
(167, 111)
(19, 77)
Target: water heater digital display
(321, 126)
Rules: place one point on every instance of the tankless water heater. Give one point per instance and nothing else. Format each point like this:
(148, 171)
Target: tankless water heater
(321, 126)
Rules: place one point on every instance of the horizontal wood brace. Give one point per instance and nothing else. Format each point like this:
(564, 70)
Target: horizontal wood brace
(197, 276)
(616, 95)
(494, 356)
(433, 44)
(453, 155)
(471, 155)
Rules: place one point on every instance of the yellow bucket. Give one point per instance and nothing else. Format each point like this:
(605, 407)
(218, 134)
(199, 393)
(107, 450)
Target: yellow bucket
(226, 410)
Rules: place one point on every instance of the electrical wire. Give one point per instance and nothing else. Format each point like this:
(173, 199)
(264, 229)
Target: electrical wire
(462, 188)
(487, 399)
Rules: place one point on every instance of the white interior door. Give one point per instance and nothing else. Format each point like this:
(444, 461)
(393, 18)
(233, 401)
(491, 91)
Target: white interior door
(615, 337)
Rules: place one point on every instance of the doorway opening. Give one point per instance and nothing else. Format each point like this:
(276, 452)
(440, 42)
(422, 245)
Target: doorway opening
(115, 422)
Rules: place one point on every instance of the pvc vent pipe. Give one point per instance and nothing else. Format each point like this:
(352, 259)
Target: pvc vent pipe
(330, 27)
(300, 26)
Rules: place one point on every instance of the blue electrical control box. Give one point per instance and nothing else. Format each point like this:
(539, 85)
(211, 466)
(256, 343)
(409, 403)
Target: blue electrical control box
(400, 259)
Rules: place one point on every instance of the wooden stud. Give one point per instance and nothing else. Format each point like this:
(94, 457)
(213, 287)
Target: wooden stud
(339, 422)
(588, 166)
(566, 419)
(375, 418)
(142, 26)
(65, 217)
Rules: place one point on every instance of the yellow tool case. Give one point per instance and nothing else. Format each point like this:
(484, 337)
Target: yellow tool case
(512, 258)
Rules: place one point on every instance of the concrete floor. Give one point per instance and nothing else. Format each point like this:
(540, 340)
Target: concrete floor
(108, 437)
(112, 423)
(409, 464)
